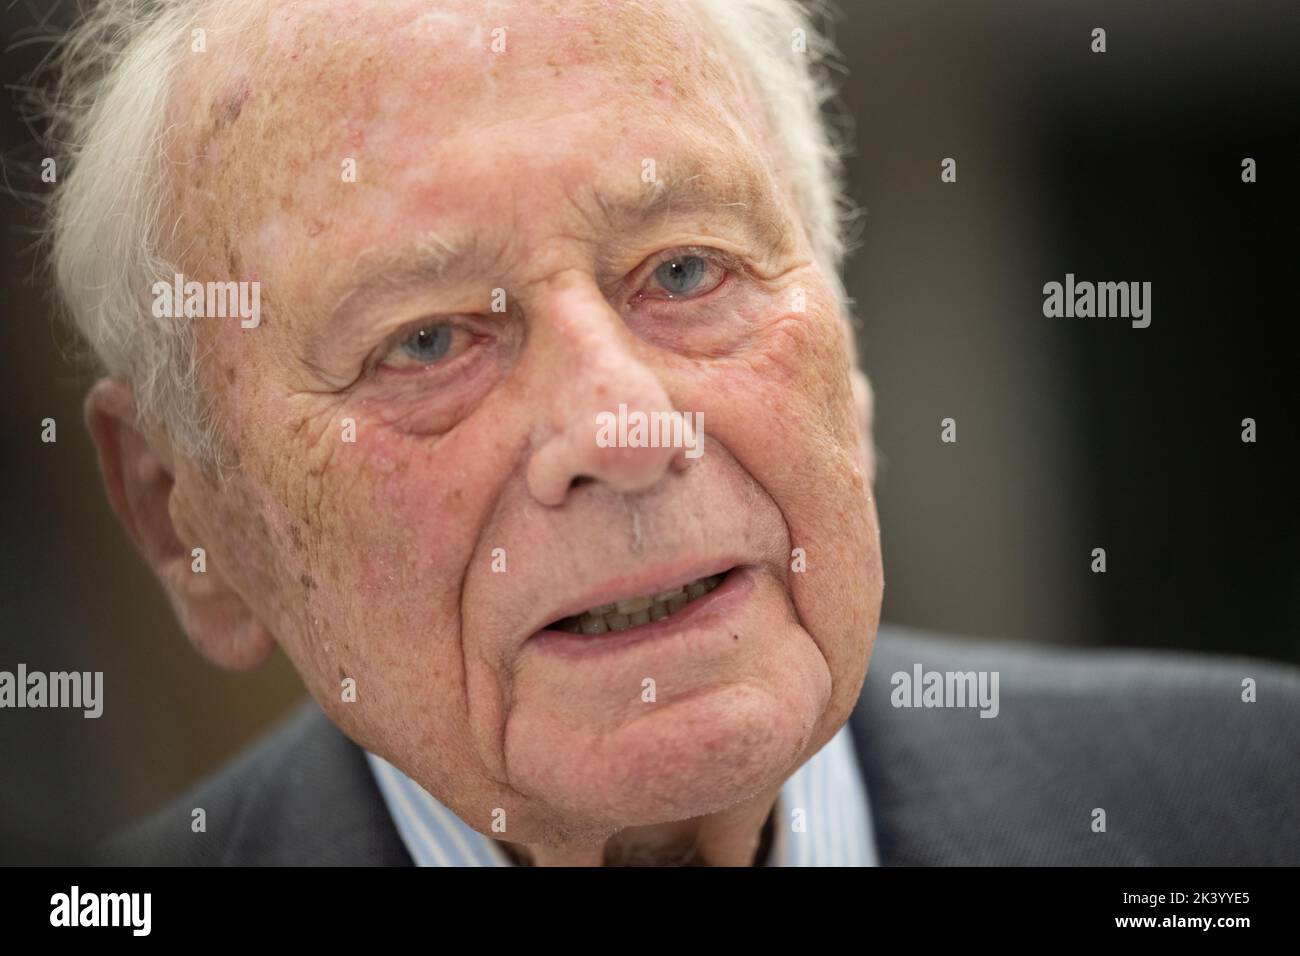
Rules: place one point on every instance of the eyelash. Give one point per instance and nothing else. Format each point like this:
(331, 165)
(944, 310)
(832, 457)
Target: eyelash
(729, 264)
(394, 344)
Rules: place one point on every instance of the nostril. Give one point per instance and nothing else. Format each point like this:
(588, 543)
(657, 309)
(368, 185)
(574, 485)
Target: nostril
(580, 480)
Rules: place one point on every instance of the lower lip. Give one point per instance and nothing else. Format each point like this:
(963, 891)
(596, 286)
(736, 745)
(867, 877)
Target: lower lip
(719, 602)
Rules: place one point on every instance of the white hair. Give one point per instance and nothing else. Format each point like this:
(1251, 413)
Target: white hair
(791, 64)
(109, 216)
(107, 129)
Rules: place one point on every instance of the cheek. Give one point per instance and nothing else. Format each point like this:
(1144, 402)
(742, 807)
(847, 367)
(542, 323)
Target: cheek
(385, 527)
(785, 410)
(788, 397)
(395, 526)
(395, 523)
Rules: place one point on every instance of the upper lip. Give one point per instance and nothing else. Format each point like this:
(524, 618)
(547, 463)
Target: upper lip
(645, 582)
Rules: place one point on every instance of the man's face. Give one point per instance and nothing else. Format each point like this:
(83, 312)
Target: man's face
(425, 559)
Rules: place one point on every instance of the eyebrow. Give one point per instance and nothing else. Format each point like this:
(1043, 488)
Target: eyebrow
(687, 189)
(696, 187)
(385, 275)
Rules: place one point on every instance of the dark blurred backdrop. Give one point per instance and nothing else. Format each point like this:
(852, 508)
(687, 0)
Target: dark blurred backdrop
(1072, 433)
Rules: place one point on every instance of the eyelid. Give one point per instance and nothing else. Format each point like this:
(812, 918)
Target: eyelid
(393, 342)
(729, 262)
(720, 256)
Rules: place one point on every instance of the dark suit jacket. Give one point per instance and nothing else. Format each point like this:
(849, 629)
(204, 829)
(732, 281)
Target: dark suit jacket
(1186, 772)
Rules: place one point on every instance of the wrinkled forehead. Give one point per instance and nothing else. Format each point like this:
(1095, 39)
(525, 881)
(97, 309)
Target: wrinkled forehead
(284, 92)
(463, 56)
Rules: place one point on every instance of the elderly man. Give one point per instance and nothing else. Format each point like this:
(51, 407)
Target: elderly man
(372, 281)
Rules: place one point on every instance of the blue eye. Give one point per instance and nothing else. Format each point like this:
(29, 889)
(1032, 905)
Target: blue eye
(681, 275)
(429, 344)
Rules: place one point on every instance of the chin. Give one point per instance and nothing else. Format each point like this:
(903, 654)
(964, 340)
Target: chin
(683, 757)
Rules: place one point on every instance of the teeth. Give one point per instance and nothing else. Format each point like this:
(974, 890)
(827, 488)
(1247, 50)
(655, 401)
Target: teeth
(634, 612)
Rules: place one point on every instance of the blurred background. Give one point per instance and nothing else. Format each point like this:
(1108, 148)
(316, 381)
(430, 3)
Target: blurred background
(1072, 434)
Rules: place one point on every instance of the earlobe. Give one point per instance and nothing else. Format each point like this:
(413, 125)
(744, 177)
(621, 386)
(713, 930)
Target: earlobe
(219, 624)
(139, 477)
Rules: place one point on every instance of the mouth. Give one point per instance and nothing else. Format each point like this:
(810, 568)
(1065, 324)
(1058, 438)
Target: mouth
(637, 611)
(654, 606)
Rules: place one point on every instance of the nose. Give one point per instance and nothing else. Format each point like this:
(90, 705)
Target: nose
(591, 375)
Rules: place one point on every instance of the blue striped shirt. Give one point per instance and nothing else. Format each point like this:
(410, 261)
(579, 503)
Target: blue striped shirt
(823, 817)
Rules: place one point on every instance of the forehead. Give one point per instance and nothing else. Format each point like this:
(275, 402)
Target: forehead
(364, 59)
(287, 92)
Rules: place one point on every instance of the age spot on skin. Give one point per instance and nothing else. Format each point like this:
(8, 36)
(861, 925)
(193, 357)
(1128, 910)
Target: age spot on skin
(234, 105)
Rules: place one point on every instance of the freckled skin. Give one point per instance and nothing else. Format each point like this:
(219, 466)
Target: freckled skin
(373, 559)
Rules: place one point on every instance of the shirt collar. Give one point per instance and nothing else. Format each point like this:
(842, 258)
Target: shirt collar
(823, 817)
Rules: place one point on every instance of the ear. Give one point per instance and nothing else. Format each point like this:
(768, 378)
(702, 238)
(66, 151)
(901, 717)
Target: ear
(864, 403)
(139, 476)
